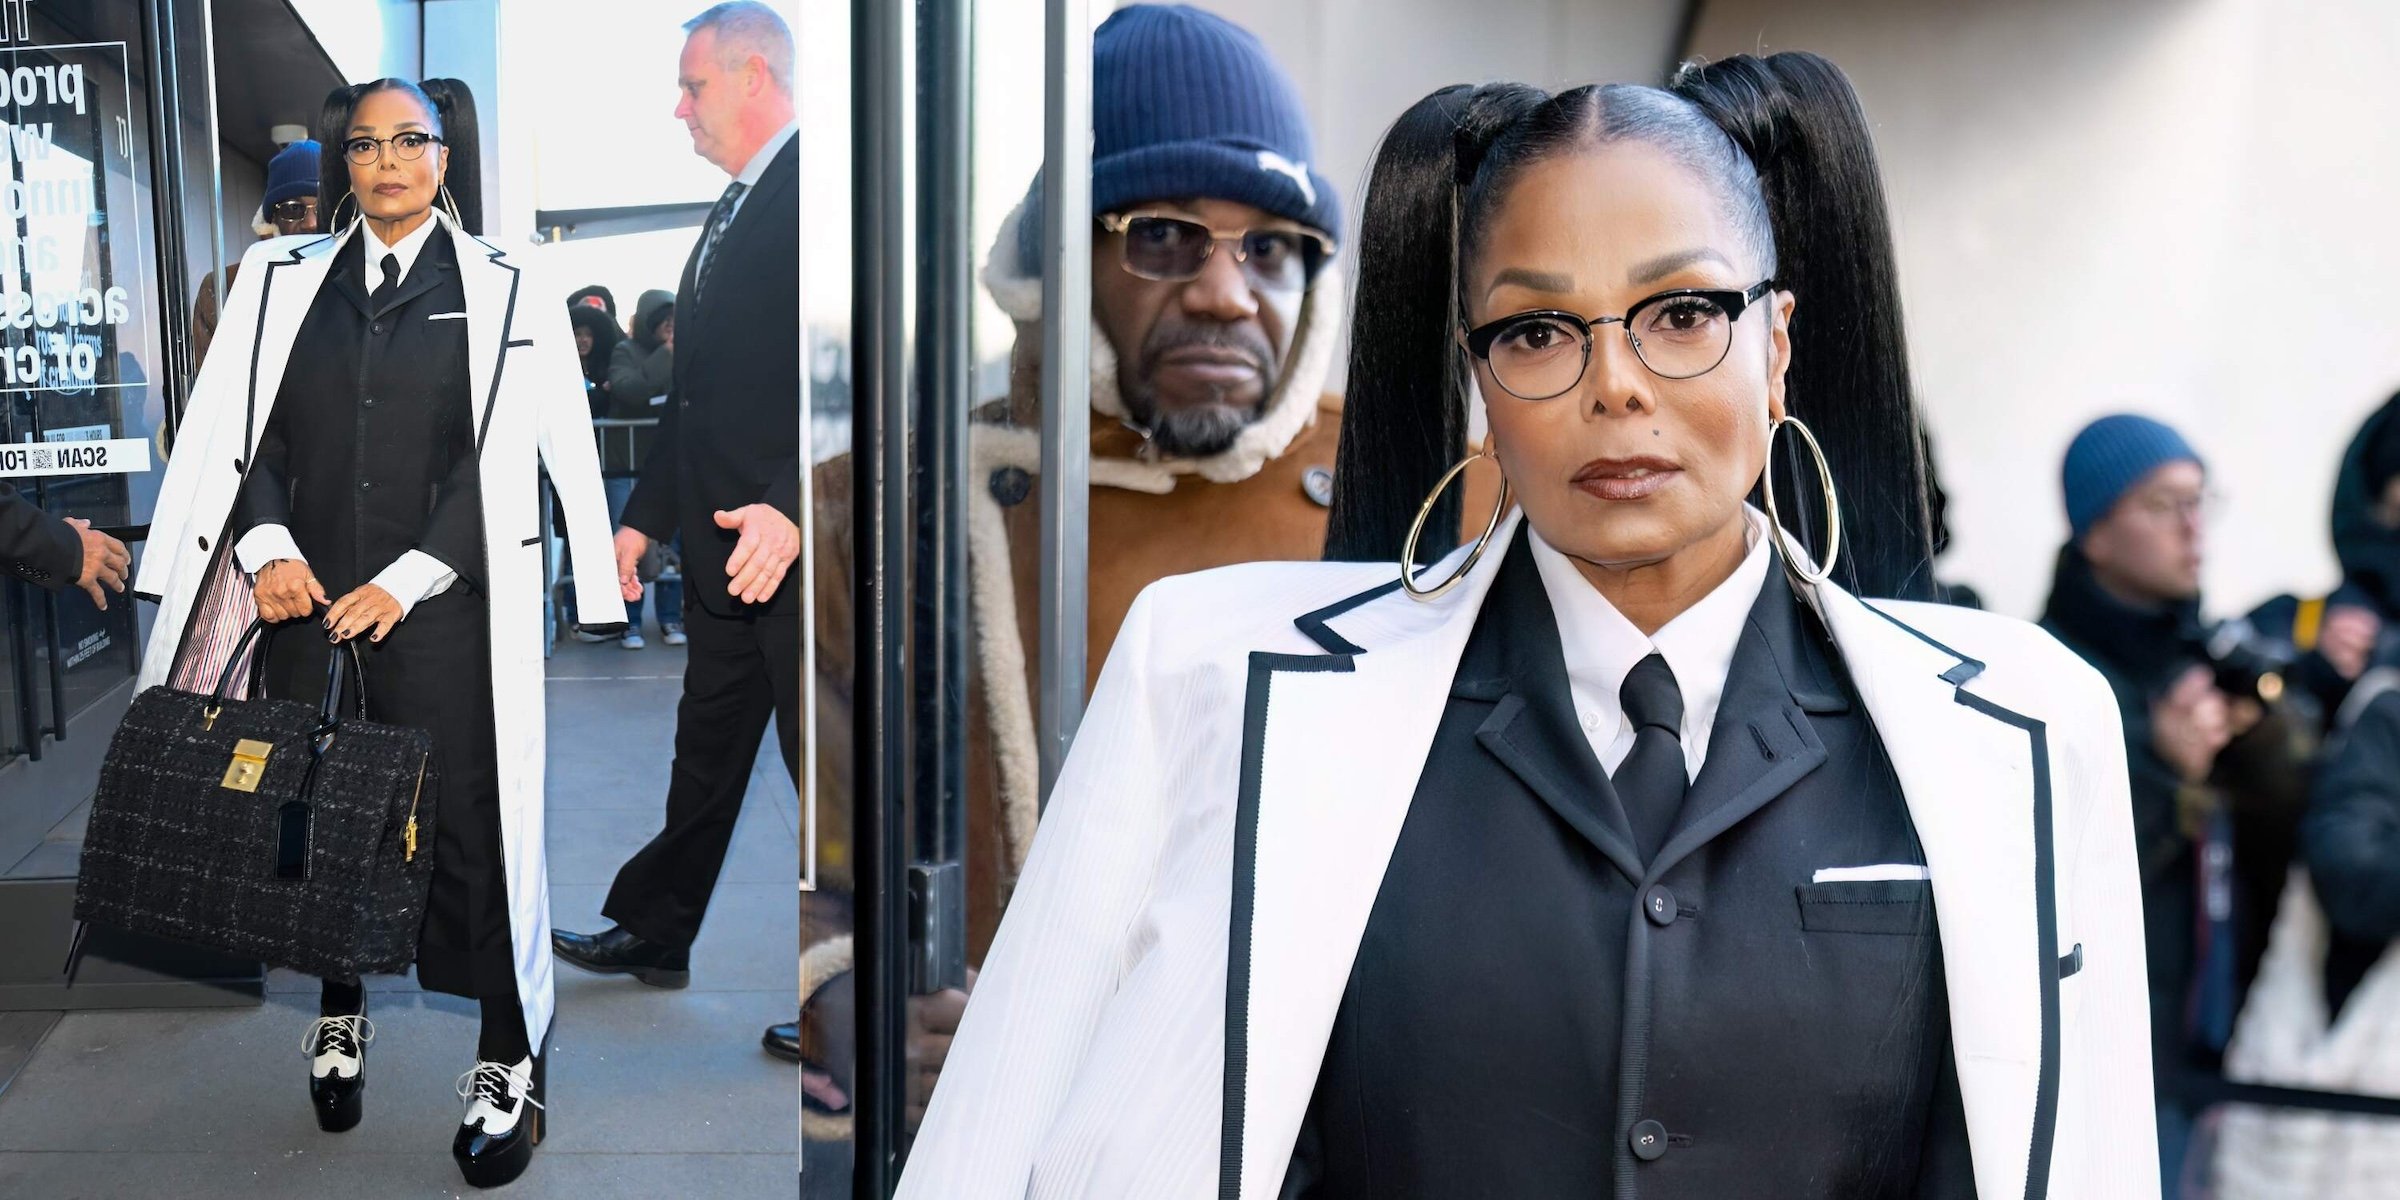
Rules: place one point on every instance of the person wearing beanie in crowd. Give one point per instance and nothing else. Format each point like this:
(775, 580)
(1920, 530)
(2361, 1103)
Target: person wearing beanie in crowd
(1215, 319)
(2217, 778)
(290, 207)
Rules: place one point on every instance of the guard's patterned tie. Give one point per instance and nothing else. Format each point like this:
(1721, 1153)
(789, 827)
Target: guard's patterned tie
(718, 218)
(1650, 783)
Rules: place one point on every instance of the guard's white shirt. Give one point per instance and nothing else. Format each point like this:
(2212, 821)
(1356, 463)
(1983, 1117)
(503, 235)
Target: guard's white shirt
(1601, 647)
(416, 575)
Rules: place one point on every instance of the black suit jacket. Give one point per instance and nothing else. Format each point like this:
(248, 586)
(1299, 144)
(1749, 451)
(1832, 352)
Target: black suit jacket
(1521, 1003)
(730, 436)
(37, 547)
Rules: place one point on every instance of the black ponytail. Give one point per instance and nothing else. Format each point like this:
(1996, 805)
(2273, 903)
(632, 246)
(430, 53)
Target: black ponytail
(1404, 420)
(453, 109)
(1800, 122)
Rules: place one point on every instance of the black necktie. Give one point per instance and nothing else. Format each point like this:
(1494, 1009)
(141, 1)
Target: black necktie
(390, 284)
(718, 218)
(1650, 783)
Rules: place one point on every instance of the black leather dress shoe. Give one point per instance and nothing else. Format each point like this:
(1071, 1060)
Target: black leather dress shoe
(506, 1118)
(337, 1070)
(783, 1041)
(616, 952)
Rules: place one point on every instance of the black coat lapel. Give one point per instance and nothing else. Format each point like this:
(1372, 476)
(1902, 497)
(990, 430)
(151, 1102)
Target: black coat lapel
(434, 263)
(1762, 742)
(1513, 660)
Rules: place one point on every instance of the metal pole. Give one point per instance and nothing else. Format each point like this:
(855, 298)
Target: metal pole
(880, 312)
(945, 381)
(166, 185)
(216, 157)
(1066, 377)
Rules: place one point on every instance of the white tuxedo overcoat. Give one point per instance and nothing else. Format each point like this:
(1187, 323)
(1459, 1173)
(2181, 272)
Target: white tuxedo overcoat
(526, 388)
(1150, 1021)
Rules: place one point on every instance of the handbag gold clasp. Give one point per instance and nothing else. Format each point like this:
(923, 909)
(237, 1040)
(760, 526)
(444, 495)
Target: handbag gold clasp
(249, 765)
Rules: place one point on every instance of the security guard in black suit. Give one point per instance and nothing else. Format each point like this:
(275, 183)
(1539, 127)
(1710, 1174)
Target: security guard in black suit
(53, 552)
(724, 474)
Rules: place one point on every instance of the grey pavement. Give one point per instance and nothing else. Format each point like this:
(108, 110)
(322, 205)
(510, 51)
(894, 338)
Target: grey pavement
(653, 1093)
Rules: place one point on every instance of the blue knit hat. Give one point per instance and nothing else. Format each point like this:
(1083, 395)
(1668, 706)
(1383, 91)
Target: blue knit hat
(2110, 456)
(292, 173)
(1186, 104)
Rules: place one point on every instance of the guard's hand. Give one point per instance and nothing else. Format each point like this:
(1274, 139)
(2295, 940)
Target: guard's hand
(370, 607)
(632, 544)
(2190, 724)
(105, 562)
(932, 1024)
(768, 545)
(286, 590)
(2348, 639)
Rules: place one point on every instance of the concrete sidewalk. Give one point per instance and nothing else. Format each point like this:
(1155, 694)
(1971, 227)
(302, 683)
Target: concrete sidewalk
(653, 1093)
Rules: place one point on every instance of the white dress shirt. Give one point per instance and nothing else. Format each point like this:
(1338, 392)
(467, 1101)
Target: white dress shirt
(1601, 647)
(416, 575)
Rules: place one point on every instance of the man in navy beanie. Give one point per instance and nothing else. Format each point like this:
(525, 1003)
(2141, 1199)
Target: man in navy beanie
(1216, 311)
(288, 208)
(2217, 779)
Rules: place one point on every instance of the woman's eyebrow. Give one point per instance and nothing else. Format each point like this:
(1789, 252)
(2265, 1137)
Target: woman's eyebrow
(1667, 264)
(402, 127)
(1540, 281)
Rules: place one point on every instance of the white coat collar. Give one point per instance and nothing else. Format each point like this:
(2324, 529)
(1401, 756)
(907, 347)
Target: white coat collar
(1321, 811)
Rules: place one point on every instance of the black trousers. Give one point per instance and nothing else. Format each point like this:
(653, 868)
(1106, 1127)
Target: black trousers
(740, 671)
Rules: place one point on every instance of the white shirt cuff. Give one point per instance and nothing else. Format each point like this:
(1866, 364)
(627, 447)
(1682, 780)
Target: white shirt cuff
(413, 577)
(264, 545)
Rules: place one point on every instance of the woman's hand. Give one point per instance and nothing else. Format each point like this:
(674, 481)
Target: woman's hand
(370, 607)
(286, 590)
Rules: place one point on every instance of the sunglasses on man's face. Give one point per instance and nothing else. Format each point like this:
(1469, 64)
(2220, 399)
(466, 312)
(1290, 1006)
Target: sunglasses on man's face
(1172, 249)
(294, 210)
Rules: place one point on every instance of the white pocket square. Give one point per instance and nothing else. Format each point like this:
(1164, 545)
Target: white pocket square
(1874, 874)
(456, 316)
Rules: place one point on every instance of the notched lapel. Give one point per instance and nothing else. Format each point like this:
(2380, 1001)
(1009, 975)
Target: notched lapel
(490, 284)
(1557, 765)
(291, 287)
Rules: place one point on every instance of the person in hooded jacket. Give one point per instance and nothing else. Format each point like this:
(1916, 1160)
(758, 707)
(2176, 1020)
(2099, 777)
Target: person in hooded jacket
(596, 338)
(2337, 637)
(641, 370)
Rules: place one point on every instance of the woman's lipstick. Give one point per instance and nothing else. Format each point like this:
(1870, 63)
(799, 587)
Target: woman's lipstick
(1625, 478)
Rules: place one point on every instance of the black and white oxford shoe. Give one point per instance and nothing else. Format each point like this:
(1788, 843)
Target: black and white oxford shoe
(505, 1120)
(337, 1069)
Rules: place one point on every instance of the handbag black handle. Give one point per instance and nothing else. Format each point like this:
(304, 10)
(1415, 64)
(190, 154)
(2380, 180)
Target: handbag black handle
(264, 634)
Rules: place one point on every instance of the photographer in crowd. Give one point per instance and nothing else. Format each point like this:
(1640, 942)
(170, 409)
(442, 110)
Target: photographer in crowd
(2218, 771)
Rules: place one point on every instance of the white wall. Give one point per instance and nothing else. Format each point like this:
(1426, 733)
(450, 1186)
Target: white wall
(2178, 208)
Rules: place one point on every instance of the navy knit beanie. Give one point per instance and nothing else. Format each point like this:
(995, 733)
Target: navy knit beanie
(1185, 105)
(292, 173)
(2110, 456)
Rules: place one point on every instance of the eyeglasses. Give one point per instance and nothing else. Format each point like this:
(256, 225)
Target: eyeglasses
(407, 147)
(2183, 508)
(1279, 258)
(298, 209)
(1678, 335)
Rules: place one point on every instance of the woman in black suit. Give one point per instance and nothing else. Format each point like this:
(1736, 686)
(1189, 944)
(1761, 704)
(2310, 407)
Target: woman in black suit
(363, 510)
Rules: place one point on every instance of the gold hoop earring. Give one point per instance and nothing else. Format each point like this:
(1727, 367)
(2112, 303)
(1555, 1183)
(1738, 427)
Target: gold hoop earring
(1816, 572)
(336, 223)
(1416, 529)
(450, 205)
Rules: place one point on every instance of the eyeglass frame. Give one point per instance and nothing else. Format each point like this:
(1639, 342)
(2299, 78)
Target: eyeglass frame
(384, 144)
(306, 205)
(1119, 223)
(1735, 302)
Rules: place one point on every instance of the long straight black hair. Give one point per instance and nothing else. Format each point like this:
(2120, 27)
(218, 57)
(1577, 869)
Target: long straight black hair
(1784, 143)
(453, 109)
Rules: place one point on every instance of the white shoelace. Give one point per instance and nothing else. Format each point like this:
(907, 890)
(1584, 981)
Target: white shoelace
(346, 1036)
(496, 1083)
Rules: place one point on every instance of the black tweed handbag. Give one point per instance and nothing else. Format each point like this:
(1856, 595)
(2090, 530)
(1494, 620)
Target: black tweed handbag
(271, 829)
